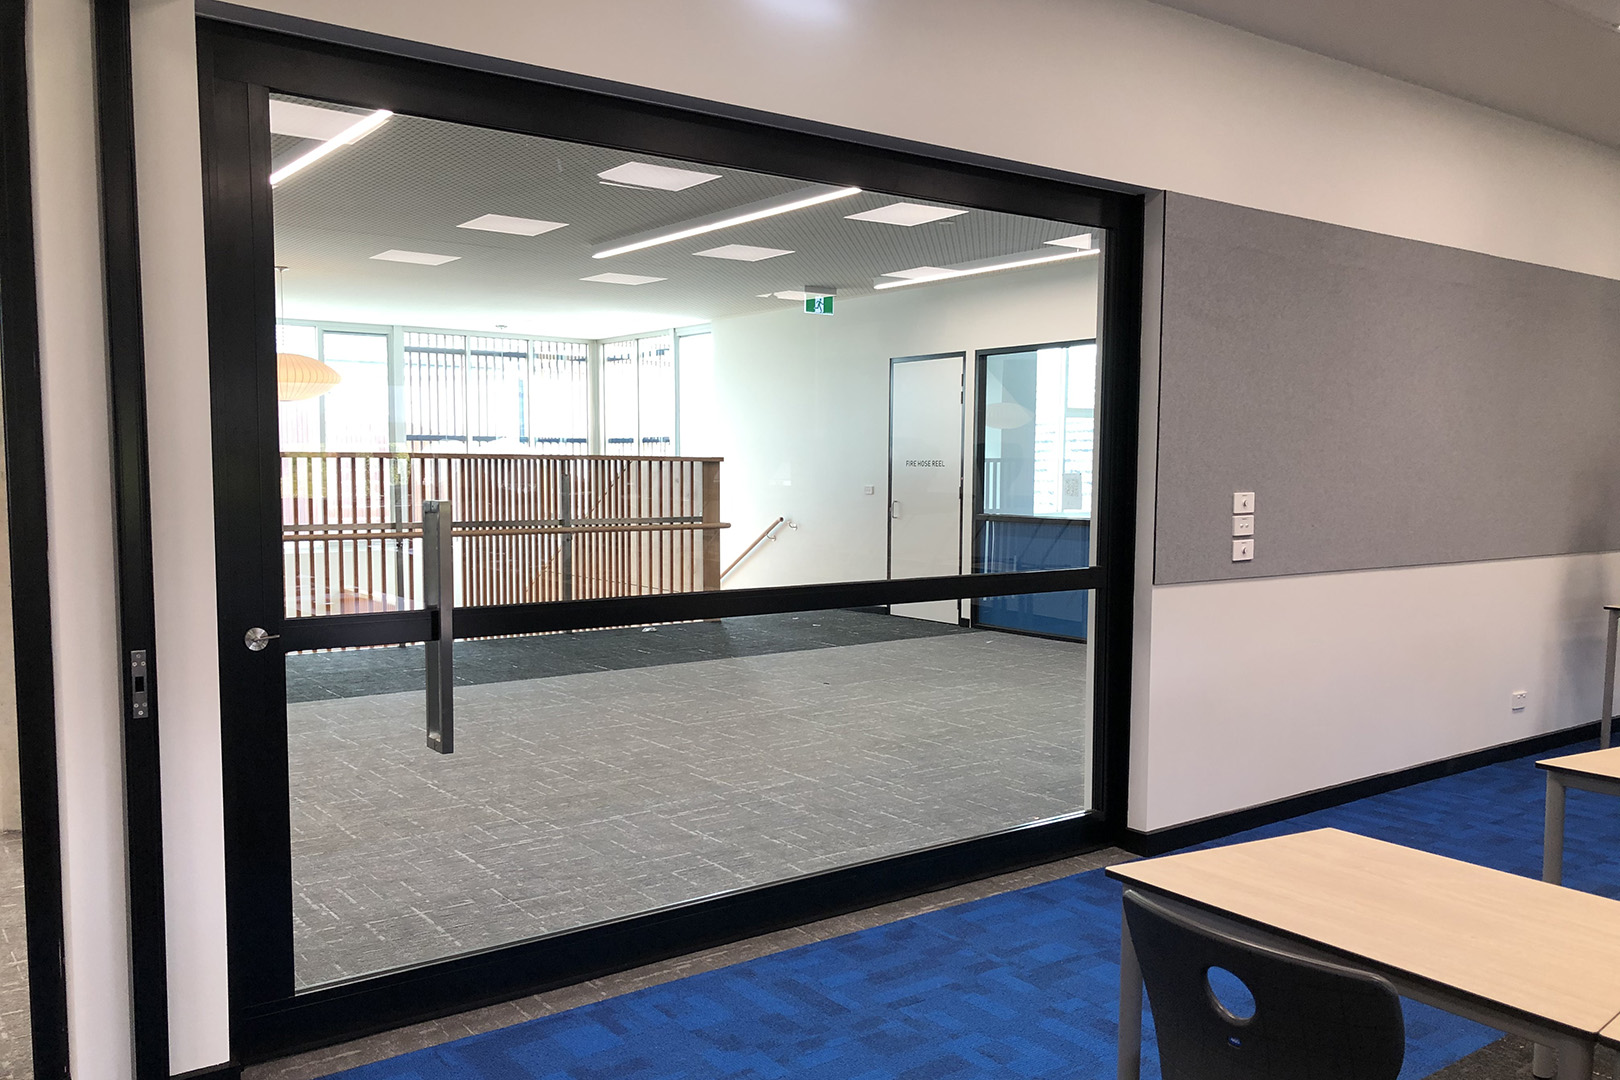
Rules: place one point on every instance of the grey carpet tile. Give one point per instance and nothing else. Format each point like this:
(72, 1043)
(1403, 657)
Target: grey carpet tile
(16, 1038)
(580, 798)
(320, 1063)
(360, 673)
(1508, 1058)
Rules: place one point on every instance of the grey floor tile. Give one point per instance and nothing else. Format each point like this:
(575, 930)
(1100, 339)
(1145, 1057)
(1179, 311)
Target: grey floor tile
(592, 795)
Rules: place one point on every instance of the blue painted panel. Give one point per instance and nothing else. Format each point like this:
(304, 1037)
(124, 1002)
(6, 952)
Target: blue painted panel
(1048, 544)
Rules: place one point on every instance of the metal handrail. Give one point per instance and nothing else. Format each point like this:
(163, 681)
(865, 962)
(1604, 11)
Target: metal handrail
(758, 540)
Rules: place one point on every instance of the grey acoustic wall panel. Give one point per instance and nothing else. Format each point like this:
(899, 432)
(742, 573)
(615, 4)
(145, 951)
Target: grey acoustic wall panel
(1391, 403)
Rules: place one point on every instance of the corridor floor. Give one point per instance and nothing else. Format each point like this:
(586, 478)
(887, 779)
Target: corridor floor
(613, 789)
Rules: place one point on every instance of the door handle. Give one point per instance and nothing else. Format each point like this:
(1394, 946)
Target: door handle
(894, 509)
(256, 638)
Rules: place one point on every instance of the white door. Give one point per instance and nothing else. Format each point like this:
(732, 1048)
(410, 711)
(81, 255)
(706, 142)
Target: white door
(925, 476)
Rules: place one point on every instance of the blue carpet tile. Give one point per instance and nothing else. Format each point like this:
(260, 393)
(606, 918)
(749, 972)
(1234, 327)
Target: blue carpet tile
(1024, 984)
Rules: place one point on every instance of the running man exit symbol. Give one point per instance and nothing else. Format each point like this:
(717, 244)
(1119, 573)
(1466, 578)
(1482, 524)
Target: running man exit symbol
(818, 305)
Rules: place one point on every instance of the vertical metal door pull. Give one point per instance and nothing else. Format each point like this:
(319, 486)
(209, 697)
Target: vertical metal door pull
(438, 597)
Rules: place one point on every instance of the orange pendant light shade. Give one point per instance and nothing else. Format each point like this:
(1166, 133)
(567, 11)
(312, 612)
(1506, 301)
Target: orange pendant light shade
(299, 377)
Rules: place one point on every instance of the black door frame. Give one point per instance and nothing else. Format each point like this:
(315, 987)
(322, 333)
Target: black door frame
(28, 539)
(239, 64)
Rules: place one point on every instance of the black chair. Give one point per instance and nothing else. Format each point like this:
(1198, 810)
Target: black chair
(1311, 1020)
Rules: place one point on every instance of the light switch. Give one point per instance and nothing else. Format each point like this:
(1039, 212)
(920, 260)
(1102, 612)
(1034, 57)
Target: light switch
(871, 489)
(1242, 524)
(1243, 551)
(1242, 502)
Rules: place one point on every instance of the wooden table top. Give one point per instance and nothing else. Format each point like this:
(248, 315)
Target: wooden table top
(1610, 1036)
(1601, 764)
(1541, 951)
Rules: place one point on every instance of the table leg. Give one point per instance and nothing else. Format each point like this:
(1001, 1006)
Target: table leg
(1575, 1061)
(1552, 833)
(1608, 678)
(1130, 1006)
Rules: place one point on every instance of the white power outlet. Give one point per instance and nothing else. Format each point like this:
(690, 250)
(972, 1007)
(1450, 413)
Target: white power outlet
(1520, 699)
(1243, 551)
(1242, 524)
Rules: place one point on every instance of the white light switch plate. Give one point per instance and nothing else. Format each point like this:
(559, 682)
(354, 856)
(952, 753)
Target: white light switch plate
(1242, 550)
(1242, 524)
(1242, 502)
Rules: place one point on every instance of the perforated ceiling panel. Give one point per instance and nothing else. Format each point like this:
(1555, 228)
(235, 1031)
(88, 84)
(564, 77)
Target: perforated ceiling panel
(407, 186)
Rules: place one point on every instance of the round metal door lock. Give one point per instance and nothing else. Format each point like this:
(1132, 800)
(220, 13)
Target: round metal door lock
(256, 638)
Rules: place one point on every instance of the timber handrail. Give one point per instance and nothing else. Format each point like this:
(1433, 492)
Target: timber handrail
(532, 528)
(749, 550)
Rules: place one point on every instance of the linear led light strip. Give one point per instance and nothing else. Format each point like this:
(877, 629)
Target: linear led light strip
(1007, 262)
(782, 204)
(353, 133)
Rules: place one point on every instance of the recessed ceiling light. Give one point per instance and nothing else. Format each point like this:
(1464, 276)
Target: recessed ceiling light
(743, 252)
(517, 226)
(351, 134)
(1083, 242)
(921, 274)
(622, 279)
(640, 174)
(907, 214)
(421, 258)
(742, 215)
(309, 121)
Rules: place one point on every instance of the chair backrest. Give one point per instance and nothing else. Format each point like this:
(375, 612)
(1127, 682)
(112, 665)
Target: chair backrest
(1310, 1020)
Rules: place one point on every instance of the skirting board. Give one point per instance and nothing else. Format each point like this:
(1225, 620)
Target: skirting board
(228, 1071)
(1161, 841)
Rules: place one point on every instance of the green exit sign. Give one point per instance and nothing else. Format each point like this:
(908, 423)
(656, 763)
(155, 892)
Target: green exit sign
(818, 305)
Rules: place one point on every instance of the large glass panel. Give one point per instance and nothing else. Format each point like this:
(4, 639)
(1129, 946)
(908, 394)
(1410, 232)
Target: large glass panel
(604, 773)
(619, 394)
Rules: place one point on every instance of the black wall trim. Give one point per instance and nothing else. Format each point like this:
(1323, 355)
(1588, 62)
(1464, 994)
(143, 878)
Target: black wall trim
(23, 406)
(137, 620)
(1204, 830)
(229, 1071)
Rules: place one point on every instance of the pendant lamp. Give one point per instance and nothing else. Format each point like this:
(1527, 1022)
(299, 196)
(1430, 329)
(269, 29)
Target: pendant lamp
(300, 377)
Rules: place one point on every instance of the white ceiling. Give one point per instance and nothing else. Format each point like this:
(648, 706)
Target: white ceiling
(403, 191)
(1556, 62)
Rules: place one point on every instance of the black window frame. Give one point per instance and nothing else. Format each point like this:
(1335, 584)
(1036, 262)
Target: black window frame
(242, 58)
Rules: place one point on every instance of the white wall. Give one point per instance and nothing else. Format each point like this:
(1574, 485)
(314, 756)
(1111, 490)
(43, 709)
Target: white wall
(84, 615)
(803, 409)
(1114, 88)
(180, 463)
(1265, 689)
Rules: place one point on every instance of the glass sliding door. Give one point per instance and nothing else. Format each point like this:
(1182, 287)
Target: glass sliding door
(586, 625)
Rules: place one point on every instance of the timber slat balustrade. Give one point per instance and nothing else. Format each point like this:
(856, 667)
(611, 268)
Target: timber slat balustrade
(528, 528)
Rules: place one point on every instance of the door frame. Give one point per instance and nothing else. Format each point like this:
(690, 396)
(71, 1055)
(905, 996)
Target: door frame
(27, 535)
(961, 478)
(237, 63)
